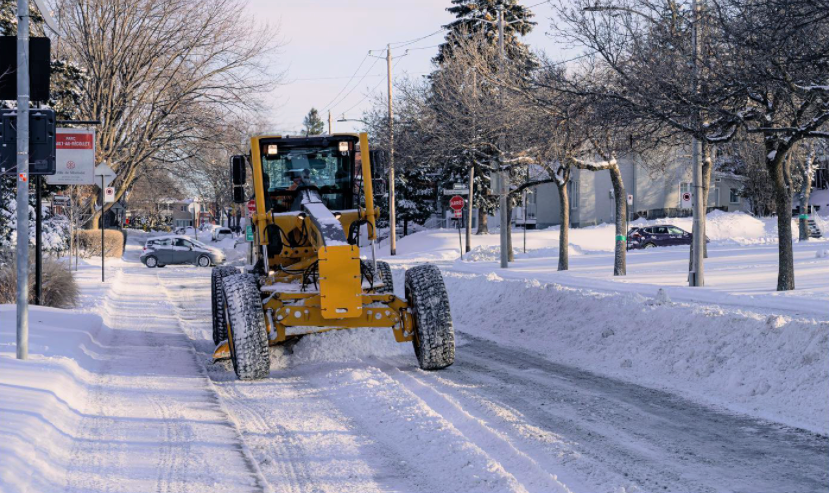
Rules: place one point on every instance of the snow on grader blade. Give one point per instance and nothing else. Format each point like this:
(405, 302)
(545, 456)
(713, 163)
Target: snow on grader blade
(310, 205)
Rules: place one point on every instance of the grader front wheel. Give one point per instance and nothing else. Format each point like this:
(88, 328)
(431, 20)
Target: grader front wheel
(434, 338)
(217, 300)
(247, 336)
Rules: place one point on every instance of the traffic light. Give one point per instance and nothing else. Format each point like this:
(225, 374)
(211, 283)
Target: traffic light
(42, 128)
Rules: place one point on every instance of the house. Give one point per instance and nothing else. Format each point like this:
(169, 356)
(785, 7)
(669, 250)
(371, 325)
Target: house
(651, 195)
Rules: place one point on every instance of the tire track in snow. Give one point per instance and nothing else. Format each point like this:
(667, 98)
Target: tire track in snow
(146, 426)
(298, 439)
(498, 446)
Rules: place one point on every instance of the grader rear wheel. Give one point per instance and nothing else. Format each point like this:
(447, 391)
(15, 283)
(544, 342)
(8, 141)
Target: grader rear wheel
(218, 302)
(247, 335)
(434, 338)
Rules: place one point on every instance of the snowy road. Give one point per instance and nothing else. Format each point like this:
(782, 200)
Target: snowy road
(161, 417)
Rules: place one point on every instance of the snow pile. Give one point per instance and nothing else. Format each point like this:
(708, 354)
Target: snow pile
(44, 397)
(771, 367)
(822, 253)
(340, 346)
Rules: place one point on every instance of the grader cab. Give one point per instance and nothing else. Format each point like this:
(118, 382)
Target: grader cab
(313, 198)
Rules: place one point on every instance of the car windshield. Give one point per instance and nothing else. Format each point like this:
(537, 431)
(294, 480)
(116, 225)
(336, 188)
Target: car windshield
(198, 243)
(325, 168)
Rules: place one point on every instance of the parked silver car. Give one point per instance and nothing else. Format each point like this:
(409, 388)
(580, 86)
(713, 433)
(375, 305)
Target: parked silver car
(175, 249)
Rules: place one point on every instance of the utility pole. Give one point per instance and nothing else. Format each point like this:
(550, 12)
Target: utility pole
(696, 276)
(392, 218)
(472, 166)
(23, 179)
(329, 122)
(501, 139)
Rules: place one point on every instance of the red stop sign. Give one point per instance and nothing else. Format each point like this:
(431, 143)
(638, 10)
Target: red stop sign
(251, 207)
(456, 202)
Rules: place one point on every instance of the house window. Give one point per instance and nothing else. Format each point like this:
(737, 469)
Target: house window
(183, 208)
(734, 197)
(573, 191)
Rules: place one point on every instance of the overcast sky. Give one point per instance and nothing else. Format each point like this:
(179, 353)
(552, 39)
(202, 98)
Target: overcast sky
(324, 41)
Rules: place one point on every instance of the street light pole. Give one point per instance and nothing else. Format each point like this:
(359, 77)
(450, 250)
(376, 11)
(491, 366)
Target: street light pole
(392, 217)
(22, 179)
(501, 138)
(696, 277)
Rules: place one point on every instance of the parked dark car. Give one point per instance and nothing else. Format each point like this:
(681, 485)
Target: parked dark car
(659, 235)
(173, 249)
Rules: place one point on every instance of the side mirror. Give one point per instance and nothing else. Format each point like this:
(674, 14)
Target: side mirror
(237, 170)
(238, 178)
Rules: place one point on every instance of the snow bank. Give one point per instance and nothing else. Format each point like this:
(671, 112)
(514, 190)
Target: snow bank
(723, 228)
(43, 398)
(772, 367)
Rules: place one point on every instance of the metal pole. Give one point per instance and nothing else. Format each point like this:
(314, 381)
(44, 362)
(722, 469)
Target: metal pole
(471, 168)
(392, 212)
(38, 240)
(469, 208)
(460, 240)
(330, 127)
(503, 202)
(103, 226)
(697, 278)
(22, 179)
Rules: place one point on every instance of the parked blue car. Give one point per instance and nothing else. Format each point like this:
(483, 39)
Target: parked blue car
(659, 235)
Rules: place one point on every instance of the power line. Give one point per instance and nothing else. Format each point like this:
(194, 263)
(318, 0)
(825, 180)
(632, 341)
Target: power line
(371, 90)
(401, 44)
(332, 78)
(330, 106)
(422, 48)
(349, 81)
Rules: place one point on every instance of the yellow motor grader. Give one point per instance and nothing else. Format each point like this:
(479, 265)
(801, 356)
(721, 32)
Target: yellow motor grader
(313, 196)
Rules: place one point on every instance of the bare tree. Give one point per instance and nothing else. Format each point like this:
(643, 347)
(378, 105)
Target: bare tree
(160, 70)
(782, 65)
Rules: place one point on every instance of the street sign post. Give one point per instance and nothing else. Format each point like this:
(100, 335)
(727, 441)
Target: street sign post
(75, 156)
(249, 232)
(456, 203)
(106, 175)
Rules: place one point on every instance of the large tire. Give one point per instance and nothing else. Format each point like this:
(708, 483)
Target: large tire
(434, 338)
(384, 272)
(247, 336)
(151, 262)
(217, 299)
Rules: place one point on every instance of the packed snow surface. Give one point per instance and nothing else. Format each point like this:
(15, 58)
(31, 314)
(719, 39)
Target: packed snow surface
(564, 381)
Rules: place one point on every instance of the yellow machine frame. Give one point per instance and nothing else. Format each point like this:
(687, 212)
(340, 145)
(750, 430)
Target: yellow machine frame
(342, 301)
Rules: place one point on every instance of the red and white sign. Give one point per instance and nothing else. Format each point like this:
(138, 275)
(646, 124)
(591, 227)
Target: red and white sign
(458, 213)
(456, 203)
(75, 155)
(109, 194)
(251, 207)
(686, 200)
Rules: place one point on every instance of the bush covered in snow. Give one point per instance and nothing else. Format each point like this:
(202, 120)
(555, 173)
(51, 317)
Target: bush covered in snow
(89, 242)
(59, 287)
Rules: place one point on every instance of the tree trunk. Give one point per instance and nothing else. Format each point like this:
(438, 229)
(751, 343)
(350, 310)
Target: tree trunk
(483, 222)
(620, 257)
(564, 232)
(776, 164)
(707, 168)
(510, 251)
